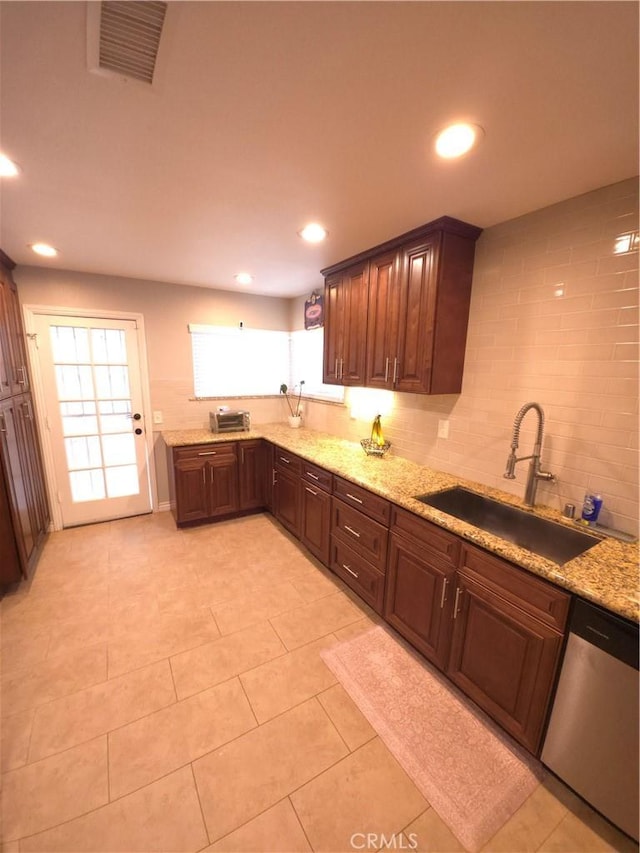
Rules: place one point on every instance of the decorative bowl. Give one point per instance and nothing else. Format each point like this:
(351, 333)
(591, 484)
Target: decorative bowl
(372, 448)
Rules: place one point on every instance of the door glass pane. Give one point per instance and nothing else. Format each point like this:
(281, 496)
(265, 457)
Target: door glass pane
(87, 485)
(122, 481)
(70, 344)
(79, 418)
(109, 346)
(112, 381)
(115, 415)
(119, 449)
(83, 452)
(74, 382)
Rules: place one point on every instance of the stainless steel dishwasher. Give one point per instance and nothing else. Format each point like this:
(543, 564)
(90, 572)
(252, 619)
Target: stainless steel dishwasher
(592, 739)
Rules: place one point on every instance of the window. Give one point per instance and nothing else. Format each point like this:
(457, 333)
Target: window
(234, 362)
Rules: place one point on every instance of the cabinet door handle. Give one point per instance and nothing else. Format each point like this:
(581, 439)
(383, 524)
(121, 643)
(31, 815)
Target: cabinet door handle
(204, 477)
(395, 370)
(336, 374)
(211, 469)
(274, 475)
(386, 370)
(352, 531)
(350, 570)
(242, 455)
(455, 605)
(342, 368)
(22, 375)
(313, 476)
(443, 597)
(3, 427)
(26, 408)
(284, 459)
(311, 492)
(207, 453)
(354, 498)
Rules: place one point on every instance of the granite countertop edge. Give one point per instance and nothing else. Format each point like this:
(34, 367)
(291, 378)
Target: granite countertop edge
(606, 574)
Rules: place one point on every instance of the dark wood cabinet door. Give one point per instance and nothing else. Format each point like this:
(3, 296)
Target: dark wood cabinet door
(10, 565)
(417, 317)
(355, 282)
(334, 315)
(252, 474)
(6, 367)
(32, 467)
(223, 484)
(191, 490)
(418, 600)
(286, 500)
(503, 659)
(382, 323)
(17, 344)
(316, 521)
(16, 472)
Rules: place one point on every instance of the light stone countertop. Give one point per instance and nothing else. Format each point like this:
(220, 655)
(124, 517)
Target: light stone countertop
(606, 574)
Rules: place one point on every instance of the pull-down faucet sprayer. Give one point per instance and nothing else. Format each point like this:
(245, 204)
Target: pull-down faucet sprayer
(535, 471)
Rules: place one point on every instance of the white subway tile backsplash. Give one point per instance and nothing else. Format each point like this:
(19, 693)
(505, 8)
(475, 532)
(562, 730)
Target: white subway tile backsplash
(575, 354)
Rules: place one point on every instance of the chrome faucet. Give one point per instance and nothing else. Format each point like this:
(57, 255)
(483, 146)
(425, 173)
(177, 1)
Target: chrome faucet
(535, 471)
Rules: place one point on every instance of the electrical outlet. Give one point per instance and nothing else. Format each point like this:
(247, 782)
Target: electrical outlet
(157, 418)
(443, 429)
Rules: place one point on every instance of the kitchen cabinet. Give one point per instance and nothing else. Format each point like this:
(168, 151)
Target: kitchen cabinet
(418, 290)
(421, 584)
(507, 638)
(346, 326)
(24, 499)
(205, 482)
(286, 490)
(359, 538)
(315, 525)
(252, 473)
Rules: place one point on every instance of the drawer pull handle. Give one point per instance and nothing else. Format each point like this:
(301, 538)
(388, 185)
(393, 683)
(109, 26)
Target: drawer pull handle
(443, 597)
(455, 606)
(350, 570)
(354, 498)
(313, 476)
(207, 453)
(352, 531)
(284, 459)
(311, 492)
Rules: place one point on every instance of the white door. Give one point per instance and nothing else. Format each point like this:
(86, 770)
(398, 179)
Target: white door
(93, 397)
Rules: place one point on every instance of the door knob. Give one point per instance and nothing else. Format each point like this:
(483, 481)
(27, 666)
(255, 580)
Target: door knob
(138, 431)
(137, 416)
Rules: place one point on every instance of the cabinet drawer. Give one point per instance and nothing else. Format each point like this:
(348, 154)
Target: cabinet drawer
(427, 536)
(364, 500)
(316, 476)
(363, 535)
(205, 451)
(286, 461)
(358, 574)
(534, 595)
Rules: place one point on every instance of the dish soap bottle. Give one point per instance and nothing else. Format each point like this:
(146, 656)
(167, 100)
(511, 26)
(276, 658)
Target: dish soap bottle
(376, 432)
(591, 508)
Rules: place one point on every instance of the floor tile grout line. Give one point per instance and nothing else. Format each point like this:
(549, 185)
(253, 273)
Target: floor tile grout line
(242, 687)
(300, 823)
(204, 820)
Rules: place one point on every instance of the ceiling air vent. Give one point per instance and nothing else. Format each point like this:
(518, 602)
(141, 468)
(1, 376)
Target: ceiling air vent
(130, 36)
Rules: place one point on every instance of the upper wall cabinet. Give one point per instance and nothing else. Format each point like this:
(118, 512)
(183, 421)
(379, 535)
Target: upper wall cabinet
(397, 315)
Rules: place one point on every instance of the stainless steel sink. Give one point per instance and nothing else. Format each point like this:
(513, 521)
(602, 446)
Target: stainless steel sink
(545, 538)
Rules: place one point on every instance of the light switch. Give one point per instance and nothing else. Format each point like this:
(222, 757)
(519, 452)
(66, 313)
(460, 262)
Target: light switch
(157, 418)
(443, 429)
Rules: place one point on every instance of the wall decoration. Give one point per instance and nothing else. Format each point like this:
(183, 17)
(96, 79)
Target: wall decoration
(314, 312)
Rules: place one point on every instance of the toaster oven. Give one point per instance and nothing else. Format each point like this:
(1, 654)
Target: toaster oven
(230, 421)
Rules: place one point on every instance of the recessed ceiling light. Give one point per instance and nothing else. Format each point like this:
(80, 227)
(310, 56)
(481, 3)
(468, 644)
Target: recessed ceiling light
(8, 169)
(243, 278)
(44, 249)
(457, 139)
(313, 233)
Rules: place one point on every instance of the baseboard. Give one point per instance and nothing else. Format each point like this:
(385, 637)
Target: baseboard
(164, 506)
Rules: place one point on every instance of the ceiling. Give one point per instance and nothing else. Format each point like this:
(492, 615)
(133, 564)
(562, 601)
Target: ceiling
(264, 116)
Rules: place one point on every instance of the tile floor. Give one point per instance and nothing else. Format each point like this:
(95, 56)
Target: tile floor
(162, 690)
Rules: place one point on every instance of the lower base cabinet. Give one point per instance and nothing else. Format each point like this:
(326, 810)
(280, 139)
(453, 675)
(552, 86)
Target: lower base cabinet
(286, 500)
(315, 521)
(358, 574)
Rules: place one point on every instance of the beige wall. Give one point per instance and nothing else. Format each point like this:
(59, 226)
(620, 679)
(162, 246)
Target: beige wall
(554, 319)
(167, 309)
